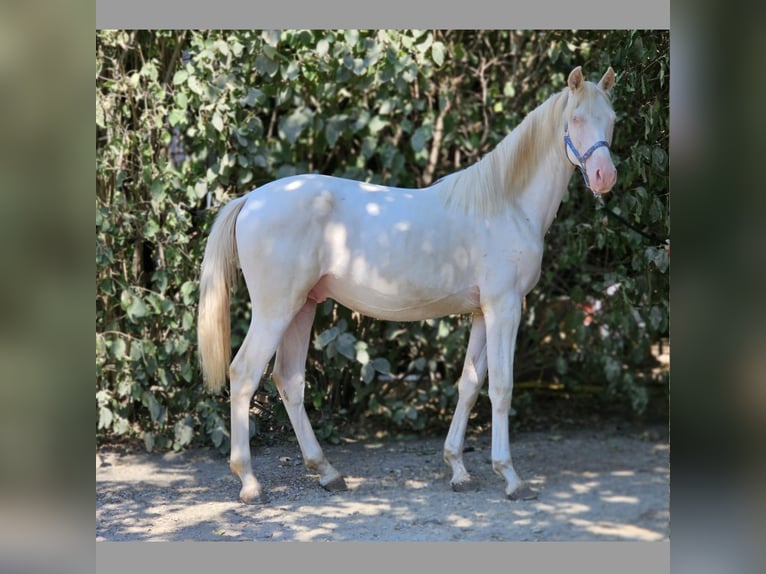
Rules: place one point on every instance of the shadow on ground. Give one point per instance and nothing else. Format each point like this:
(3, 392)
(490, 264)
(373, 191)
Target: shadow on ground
(593, 485)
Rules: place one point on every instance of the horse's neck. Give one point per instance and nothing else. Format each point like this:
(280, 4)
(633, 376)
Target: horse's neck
(542, 196)
(537, 151)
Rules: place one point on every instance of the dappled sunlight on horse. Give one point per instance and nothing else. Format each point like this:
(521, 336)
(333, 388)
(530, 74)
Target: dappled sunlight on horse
(471, 243)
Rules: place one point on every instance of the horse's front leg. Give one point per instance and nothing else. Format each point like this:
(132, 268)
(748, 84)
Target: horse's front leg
(474, 372)
(502, 320)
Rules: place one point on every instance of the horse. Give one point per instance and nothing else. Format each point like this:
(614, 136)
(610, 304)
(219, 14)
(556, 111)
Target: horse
(470, 243)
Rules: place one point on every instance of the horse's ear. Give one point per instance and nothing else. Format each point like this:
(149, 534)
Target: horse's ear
(575, 79)
(607, 81)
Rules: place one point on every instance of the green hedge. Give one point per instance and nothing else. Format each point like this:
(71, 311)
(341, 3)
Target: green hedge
(186, 120)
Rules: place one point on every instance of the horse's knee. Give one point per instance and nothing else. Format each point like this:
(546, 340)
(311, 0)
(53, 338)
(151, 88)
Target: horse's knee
(500, 396)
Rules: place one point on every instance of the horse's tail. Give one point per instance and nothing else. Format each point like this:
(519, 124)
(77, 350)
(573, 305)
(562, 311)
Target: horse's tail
(217, 277)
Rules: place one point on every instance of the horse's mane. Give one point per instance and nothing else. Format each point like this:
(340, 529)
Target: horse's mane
(503, 173)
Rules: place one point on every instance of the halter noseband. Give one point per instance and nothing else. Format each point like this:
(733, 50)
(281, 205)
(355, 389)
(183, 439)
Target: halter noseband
(584, 157)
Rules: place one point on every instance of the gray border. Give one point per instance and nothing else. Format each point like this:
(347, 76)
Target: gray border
(382, 557)
(472, 14)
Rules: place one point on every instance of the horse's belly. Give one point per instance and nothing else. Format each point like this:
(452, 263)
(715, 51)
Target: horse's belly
(391, 304)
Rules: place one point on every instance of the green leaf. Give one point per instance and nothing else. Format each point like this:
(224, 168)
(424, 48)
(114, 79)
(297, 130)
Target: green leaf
(151, 228)
(222, 47)
(100, 114)
(244, 178)
(105, 418)
(175, 117)
(291, 72)
(291, 126)
(419, 364)
(659, 158)
(217, 436)
(187, 373)
(120, 425)
(323, 46)
(352, 37)
(382, 365)
(271, 37)
(659, 257)
(376, 124)
(265, 65)
(437, 53)
(137, 309)
(356, 65)
(196, 86)
(368, 373)
(184, 432)
(156, 410)
(655, 210)
(411, 412)
(118, 349)
(182, 100)
(189, 292)
(387, 106)
(158, 191)
(362, 356)
(180, 77)
(200, 189)
(345, 345)
(334, 128)
(421, 136)
(612, 369)
(326, 337)
(425, 44)
(149, 441)
(217, 121)
(254, 96)
(102, 397)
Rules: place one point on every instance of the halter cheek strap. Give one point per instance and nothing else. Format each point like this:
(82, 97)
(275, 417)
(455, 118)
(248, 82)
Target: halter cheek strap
(584, 157)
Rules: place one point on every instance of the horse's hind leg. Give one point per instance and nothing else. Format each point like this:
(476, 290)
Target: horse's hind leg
(474, 372)
(289, 376)
(245, 373)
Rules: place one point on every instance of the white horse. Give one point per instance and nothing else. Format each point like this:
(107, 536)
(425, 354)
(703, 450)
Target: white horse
(470, 243)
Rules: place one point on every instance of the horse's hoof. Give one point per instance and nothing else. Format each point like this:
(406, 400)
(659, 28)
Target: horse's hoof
(337, 484)
(253, 498)
(523, 492)
(463, 485)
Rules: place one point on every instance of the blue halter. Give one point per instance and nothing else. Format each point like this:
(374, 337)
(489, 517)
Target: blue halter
(584, 157)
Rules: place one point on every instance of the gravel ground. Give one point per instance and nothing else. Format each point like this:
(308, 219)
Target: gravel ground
(594, 485)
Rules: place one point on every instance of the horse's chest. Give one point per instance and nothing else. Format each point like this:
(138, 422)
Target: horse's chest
(515, 264)
(526, 263)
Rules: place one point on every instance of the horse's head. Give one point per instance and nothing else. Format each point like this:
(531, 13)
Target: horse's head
(589, 119)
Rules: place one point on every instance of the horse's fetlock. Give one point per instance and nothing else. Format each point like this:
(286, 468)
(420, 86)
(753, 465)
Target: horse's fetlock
(237, 466)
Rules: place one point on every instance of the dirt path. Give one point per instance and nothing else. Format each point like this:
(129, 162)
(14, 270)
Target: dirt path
(593, 485)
